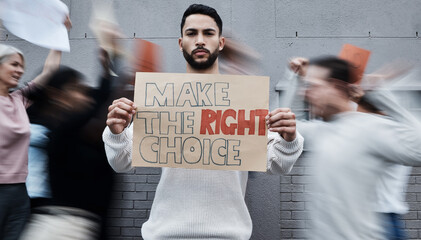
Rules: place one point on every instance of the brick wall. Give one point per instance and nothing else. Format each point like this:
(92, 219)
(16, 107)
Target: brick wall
(132, 199)
(294, 206)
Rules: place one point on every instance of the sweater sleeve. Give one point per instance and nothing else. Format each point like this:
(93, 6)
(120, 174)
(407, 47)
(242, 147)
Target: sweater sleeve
(281, 154)
(401, 139)
(118, 148)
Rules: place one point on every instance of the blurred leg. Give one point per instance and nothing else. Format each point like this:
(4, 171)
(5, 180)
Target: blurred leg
(393, 226)
(62, 226)
(14, 210)
(399, 232)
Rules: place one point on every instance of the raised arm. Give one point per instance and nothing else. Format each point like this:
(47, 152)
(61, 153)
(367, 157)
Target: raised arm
(52, 62)
(402, 137)
(291, 98)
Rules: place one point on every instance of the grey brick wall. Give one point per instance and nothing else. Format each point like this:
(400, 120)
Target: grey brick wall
(278, 30)
(132, 200)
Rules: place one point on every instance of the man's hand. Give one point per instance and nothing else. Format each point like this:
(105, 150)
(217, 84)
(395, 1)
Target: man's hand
(282, 121)
(120, 114)
(299, 65)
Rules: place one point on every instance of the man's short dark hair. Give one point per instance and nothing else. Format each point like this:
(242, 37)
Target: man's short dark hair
(201, 9)
(339, 69)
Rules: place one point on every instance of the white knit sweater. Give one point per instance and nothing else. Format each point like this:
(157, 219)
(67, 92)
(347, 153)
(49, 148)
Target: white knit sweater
(200, 204)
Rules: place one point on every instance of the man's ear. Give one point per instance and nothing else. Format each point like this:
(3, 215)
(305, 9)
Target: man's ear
(221, 43)
(355, 92)
(180, 43)
(341, 85)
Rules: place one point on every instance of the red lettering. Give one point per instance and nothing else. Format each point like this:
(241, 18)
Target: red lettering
(220, 118)
(243, 123)
(228, 130)
(208, 117)
(262, 113)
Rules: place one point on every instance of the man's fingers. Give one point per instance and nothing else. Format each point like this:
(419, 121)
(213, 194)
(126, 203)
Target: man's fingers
(288, 130)
(122, 105)
(119, 113)
(112, 121)
(283, 123)
(124, 100)
(278, 110)
(280, 116)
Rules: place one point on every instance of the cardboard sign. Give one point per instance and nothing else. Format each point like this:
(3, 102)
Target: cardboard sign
(358, 58)
(205, 121)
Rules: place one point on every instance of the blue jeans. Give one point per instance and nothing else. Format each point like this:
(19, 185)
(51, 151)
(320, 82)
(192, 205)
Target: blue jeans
(14, 210)
(393, 226)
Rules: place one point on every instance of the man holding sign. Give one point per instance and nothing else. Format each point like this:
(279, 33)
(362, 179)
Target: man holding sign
(197, 203)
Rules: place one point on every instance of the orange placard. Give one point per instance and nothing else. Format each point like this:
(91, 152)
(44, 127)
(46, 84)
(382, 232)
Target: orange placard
(147, 56)
(358, 58)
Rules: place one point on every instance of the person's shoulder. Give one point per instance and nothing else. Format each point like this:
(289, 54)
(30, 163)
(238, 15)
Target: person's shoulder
(371, 121)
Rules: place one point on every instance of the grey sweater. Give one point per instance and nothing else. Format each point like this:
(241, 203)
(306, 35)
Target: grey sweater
(200, 204)
(349, 154)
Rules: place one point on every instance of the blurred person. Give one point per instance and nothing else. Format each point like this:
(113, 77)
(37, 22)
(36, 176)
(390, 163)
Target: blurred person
(390, 201)
(14, 137)
(37, 182)
(67, 108)
(238, 59)
(351, 149)
(391, 187)
(213, 205)
(64, 93)
(81, 180)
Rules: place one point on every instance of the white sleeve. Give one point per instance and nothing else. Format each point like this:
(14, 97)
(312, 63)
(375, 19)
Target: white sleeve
(118, 148)
(281, 154)
(401, 141)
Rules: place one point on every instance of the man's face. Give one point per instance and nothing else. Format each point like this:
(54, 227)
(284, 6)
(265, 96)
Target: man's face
(200, 42)
(323, 95)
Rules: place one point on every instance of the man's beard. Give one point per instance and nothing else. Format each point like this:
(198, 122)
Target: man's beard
(201, 65)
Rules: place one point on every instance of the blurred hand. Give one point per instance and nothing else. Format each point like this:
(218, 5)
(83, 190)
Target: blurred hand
(120, 113)
(282, 121)
(104, 59)
(299, 65)
(387, 74)
(68, 23)
(108, 36)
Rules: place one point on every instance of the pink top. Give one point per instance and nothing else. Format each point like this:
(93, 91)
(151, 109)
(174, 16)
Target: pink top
(14, 136)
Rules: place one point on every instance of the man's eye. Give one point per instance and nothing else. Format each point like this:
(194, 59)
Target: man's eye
(209, 33)
(190, 34)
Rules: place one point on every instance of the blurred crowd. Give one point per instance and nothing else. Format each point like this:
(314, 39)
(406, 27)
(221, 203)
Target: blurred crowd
(55, 179)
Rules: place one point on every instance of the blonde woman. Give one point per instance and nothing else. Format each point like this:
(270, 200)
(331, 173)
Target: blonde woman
(14, 137)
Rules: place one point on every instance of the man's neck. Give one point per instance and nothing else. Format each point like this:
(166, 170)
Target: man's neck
(338, 108)
(214, 69)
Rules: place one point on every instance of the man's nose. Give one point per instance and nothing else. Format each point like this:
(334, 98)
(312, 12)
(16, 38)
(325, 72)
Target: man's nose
(200, 40)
